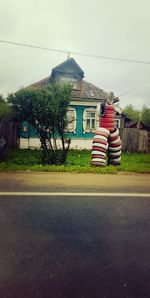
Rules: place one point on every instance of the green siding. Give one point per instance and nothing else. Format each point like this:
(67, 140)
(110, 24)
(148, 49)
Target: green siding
(22, 133)
(79, 134)
(79, 124)
(32, 132)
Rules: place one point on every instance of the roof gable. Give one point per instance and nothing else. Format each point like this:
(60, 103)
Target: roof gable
(68, 67)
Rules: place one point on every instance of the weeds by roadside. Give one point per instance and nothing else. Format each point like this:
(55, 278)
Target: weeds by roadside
(77, 161)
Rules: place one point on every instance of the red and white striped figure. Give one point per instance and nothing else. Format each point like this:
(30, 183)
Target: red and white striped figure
(108, 120)
(100, 147)
(106, 138)
(114, 148)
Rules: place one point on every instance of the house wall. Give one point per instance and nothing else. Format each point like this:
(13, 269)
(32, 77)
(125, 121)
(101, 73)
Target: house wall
(80, 139)
(34, 143)
(79, 132)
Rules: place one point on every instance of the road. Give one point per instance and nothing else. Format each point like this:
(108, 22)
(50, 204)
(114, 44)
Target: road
(74, 246)
(89, 245)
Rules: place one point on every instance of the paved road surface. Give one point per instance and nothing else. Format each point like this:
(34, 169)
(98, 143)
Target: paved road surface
(74, 247)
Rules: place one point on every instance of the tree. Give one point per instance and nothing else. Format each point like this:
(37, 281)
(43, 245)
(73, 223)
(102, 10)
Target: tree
(132, 113)
(46, 109)
(138, 115)
(146, 115)
(5, 109)
(2, 98)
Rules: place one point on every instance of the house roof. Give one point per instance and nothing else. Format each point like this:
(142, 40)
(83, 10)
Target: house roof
(87, 90)
(69, 66)
(135, 124)
(130, 123)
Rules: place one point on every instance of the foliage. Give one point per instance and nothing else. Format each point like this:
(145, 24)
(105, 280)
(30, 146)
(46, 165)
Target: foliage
(136, 115)
(146, 115)
(24, 157)
(77, 161)
(131, 112)
(5, 109)
(2, 98)
(46, 109)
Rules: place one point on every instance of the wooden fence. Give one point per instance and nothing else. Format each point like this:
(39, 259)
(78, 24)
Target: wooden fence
(135, 140)
(9, 132)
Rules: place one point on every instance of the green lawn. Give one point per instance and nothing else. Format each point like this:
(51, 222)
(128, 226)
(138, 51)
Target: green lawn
(77, 161)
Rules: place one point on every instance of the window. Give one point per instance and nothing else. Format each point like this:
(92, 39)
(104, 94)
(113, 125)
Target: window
(73, 81)
(92, 93)
(71, 117)
(90, 120)
(117, 123)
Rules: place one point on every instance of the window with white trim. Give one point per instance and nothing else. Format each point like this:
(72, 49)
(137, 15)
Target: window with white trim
(73, 81)
(117, 123)
(71, 117)
(90, 120)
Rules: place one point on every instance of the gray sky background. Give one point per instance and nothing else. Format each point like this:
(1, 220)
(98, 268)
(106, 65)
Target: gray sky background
(115, 28)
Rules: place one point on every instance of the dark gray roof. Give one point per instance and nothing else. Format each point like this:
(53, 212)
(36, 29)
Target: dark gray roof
(42, 83)
(87, 90)
(70, 62)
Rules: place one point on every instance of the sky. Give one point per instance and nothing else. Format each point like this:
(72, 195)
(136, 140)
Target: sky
(112, 28)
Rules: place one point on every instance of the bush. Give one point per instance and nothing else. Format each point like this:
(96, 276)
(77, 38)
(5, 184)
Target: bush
(77, 161)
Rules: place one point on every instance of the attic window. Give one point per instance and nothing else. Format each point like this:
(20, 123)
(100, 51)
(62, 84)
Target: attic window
(67, 79)
(92, 94)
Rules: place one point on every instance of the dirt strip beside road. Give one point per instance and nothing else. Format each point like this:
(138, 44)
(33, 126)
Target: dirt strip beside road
(26, 181)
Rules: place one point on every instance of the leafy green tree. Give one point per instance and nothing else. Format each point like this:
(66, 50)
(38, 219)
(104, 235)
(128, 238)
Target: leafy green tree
(5, 109)
(46, 109)
(2, 98)
(132, 113)
(138, 115)
(146, 115)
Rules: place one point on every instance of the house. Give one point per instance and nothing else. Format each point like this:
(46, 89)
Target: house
(82, 111)
(135, 135)
(129, 123)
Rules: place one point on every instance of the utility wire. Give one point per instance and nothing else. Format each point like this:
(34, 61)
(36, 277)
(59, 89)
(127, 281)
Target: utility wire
(75, 53)
(127, 91)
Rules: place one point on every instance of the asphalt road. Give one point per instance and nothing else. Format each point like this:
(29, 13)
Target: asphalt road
(74, 247)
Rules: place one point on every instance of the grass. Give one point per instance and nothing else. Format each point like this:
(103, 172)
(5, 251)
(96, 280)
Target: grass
(77, 161)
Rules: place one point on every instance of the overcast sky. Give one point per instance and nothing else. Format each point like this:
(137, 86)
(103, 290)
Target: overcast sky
(115, 28)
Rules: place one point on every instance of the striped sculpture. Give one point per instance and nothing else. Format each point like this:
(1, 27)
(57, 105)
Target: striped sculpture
(106, 144)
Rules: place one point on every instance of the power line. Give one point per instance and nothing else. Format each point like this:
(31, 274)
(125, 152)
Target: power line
(127, 91)
(32, 46)
(75, 53)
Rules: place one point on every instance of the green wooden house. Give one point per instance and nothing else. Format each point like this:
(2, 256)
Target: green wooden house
(82, 111)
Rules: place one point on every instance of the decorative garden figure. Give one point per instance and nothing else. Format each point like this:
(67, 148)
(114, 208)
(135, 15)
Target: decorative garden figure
(106, 141)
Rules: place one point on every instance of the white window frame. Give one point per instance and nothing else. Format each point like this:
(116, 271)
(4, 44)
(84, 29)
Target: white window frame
(117, 122)
(71, 80)
(88, 130)
(73, 128)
